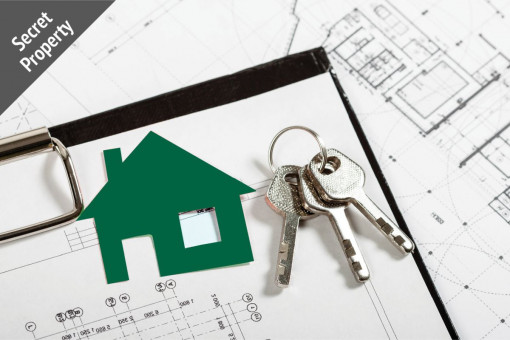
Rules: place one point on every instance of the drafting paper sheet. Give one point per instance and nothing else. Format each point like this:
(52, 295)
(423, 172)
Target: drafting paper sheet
(54, 287)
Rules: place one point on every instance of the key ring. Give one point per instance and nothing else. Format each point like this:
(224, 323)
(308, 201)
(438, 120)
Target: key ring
(319, 140)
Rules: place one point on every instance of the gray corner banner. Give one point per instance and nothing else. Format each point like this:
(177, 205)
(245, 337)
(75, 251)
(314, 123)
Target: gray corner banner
(33, 34)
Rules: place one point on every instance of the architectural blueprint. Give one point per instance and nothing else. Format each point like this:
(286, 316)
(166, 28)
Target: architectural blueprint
(429, 81)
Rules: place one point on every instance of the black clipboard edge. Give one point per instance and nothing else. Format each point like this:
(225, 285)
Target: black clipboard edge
(220, 91)
(227, 89)
(394, 207)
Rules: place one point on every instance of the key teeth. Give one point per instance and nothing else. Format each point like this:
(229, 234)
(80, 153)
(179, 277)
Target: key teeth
(361, 274)
(281, 270)
(384, 226)
(284, 251)
(387, 229)
(281, 284)
(281, 280)
(356, 266)
(399, 240)
(349, 250)
(280, 277)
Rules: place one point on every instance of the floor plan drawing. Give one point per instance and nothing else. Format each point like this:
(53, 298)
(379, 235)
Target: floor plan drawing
(407, 67)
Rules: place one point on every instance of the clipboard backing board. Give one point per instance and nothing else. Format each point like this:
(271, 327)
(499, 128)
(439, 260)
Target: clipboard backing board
(226, 90)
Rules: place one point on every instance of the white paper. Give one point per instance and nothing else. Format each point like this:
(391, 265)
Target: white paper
(48, 274)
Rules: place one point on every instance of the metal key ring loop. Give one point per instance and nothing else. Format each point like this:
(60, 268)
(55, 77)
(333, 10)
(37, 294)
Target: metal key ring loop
(319, 140)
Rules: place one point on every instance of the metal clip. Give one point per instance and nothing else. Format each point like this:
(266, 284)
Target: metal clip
(28, 144)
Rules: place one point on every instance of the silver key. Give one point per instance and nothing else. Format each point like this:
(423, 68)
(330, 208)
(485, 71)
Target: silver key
(336, 214)
(283, 197)
(344, 184)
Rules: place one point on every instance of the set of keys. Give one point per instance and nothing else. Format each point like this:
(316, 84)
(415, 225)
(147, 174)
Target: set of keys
(329, 184)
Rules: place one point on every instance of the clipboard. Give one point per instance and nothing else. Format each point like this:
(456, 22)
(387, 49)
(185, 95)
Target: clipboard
(216, 92)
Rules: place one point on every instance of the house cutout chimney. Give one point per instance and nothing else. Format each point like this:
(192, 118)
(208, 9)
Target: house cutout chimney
(112, 161)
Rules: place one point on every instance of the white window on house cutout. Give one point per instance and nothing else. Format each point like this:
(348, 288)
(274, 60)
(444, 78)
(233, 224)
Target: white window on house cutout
(199, 227)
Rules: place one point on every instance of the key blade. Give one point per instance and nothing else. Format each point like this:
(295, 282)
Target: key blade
(385, 225)
(349, 244)
(339, 222)
(286, 250)
(345, 184)
(283, 197)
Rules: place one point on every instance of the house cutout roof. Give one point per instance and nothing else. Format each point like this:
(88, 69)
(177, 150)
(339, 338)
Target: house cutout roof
(167, 176)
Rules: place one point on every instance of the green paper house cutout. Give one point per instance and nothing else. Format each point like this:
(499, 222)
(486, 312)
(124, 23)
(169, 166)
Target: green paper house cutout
(143, 197)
